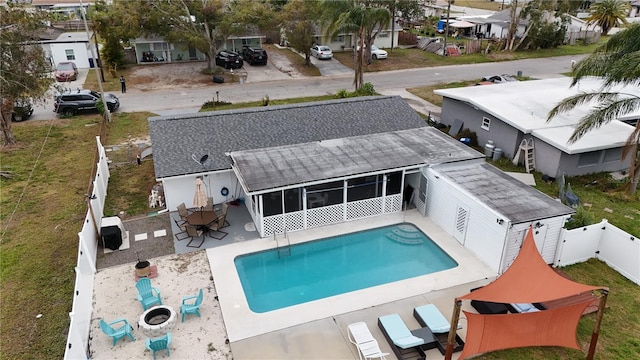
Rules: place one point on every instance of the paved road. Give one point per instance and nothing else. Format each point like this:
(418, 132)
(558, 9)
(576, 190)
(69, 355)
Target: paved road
(171, 101)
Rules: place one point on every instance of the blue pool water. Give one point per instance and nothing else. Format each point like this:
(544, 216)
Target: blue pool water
(322, 268)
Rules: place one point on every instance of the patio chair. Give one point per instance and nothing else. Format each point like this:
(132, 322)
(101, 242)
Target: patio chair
(429, 316)
(189, 307)
(147, 294)
(182, 210)
(194, 234)
(361, 337)
(404, 342)
(119, 332)
(216, 226)
(158, 344)
(225, 208)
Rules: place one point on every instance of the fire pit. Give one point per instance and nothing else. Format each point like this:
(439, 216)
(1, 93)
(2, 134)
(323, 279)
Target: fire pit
(143, 267)
(157, 321)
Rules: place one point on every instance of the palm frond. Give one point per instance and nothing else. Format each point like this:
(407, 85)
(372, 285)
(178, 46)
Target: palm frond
(612, 108)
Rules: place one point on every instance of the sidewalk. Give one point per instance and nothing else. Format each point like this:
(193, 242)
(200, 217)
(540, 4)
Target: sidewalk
(415, 102)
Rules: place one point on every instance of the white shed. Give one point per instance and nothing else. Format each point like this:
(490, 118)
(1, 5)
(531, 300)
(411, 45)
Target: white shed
(488, 211)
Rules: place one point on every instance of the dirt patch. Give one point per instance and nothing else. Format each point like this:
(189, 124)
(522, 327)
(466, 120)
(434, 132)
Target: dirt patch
(167, 76)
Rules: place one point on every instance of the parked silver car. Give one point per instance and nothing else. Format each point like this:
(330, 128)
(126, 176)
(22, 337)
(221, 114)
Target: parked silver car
(321, 52)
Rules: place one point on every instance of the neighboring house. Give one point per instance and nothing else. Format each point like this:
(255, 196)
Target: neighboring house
(307, 165)
(156, 49)
(496, 25)
(510, 112)
(69, 46)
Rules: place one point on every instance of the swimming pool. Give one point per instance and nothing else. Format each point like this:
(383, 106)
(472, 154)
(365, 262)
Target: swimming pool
(318, 269)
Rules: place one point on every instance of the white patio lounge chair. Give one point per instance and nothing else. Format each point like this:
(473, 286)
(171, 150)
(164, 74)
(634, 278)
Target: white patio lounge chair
(367, 345)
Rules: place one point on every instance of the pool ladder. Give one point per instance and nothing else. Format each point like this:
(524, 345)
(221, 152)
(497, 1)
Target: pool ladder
(285, 248)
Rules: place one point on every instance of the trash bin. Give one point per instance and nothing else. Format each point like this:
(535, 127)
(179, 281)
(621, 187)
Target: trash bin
(497, 154)
(488, 149)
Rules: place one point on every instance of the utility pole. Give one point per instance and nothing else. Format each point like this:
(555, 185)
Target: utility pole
(446, 29)
(107, 113)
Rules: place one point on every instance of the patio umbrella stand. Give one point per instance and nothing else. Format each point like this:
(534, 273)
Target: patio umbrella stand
(143, 267)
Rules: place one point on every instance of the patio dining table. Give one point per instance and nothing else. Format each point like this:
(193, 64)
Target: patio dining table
(202, 219)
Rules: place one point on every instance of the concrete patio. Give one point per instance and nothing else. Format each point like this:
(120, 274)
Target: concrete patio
(315, 330)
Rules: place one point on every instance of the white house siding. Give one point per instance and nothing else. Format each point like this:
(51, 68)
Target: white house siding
(547, 238)
(80, 50)
(181, 188)
(483, 235)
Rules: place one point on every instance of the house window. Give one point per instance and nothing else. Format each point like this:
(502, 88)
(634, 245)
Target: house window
(160, 46)
(589, 158)
(383, 34)
(486, 123)
(612, 155)
(340, 38)
(70, 54)
(245, 42)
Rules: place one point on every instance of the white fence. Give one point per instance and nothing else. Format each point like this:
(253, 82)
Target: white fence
(604, 241)
(88, 237)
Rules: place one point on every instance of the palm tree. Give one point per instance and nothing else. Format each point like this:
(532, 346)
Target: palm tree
(616, 62)
(608, 13)
(355, 16)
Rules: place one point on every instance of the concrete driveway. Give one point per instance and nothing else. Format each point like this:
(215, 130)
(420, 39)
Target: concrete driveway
(331, 67)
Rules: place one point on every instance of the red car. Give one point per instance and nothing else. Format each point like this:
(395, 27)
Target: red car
(66, 71)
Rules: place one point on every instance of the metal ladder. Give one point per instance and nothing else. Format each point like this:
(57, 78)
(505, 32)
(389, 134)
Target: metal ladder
(285, 249)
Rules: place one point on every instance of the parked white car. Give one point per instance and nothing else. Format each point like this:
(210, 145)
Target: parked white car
(377, 53)
(321, 52)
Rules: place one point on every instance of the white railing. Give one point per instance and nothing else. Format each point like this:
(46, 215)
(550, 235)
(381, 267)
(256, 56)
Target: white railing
(82, 307)
(331, 214)
(604, 241)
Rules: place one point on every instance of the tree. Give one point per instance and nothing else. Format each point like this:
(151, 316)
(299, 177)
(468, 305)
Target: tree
(361, 17)
(608, 13)
(24, 71)
(616, 62)
(548, 24)
(299, 22)
(115, 24)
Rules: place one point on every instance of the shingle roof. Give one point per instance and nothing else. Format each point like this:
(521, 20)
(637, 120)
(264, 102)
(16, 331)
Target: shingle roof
(510, 197)
(264, 169)
(177, 140)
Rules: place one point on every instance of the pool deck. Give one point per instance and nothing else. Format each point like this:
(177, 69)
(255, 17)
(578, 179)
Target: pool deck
(313, 330)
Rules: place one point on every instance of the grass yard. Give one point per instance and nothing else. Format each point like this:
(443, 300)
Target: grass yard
(415, 58)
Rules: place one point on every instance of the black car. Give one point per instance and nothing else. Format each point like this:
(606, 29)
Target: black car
(254, 56)
(22, 110)
(229, 60)
(71, 102)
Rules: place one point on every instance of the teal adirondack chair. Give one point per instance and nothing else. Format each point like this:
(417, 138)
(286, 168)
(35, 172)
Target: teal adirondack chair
(146, 294)
(188, 307)
(117, 333)
(157, 344)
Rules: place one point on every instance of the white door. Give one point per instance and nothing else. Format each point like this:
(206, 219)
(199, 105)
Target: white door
(460, 226)
(539, 236)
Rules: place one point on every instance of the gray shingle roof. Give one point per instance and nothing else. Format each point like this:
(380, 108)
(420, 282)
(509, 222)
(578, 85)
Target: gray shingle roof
(282, 166)
(510, 197)
(177, 139)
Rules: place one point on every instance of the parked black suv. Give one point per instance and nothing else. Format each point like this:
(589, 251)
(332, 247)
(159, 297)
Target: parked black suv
(254, 56)
(22, 110)
(229, 60)
(71, 102)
